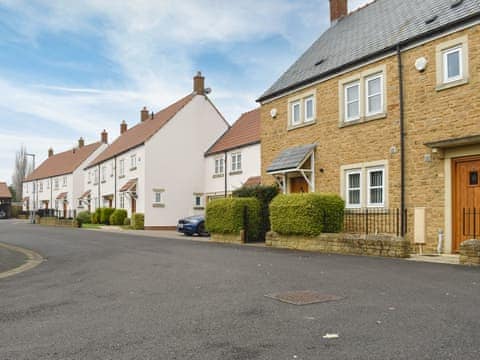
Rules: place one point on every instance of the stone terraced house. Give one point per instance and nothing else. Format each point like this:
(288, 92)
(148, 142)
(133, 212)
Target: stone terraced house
(58, 182)
(157, 166)
(384, 109)
(234, 159)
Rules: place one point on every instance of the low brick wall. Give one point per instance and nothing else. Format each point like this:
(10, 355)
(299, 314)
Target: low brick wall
(229, 238)
(53, 221)
(470, 252)
(353, 244)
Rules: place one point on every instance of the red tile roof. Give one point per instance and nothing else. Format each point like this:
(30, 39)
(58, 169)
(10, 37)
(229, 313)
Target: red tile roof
(86, 194)
(140, 133)
(62, 195)
(5, 191)
(63, 163)
(128, 185)
(245, 131)
(253, 181)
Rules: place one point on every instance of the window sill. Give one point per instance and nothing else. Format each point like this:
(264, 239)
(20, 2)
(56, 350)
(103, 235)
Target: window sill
(198, 208)
(158, 205)
(302, 125)
(363, 120)
(89, 182)
(104, 181)
(452, 84)
(218, 176)
(238, 172)
(133, 168)
(121, 176)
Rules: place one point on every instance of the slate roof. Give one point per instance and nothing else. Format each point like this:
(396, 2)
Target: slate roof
(141, 132)
(245, 131)
(63, 163)
(5, 191)
(378, 27)
(291, 158)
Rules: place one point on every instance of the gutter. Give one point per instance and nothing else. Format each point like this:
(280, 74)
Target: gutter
(226, 173)
(393, 48)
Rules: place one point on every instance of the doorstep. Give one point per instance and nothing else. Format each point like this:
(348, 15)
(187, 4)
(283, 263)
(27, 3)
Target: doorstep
(439, 259)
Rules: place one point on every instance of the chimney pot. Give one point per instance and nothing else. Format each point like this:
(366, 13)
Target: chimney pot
(104, 137)
(338, 9)
(81, 143)
(199, 84)
(144, 114)
(50, 152)
(123, 127)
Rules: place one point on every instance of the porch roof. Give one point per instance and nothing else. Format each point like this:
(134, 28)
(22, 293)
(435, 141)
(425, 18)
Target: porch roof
(291, 158)
(454, 142)
(86, 194)
(128, 185)
(62, 195)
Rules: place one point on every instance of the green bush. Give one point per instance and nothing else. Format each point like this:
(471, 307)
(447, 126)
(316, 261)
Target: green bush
(265, 194)
(84, 217)
(226, 216)
(138, 221)
(118, 217)
(307, 214)
(126, 221)
(105, 214)
(96, 216)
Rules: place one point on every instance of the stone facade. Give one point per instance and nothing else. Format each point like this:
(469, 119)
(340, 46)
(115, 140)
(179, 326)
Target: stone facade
(470, 252)
(229, 238)
(430, 115)
(53, 221)
(350, 244)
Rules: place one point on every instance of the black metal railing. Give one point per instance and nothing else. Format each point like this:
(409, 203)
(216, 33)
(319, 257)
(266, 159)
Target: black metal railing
(471, 223)
(58, 213)
(374, 221)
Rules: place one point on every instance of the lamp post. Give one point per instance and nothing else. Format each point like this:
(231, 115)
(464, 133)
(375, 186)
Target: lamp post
(32, 213)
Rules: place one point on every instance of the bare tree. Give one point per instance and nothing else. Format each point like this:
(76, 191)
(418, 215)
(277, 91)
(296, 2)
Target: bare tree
(20, 172)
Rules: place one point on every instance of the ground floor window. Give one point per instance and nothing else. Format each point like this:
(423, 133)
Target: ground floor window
(158, 198)
(364, 185)
(122, 200)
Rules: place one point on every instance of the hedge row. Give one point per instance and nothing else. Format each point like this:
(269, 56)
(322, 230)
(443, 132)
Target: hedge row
(307, 214)
(138, 221)
(227, 216)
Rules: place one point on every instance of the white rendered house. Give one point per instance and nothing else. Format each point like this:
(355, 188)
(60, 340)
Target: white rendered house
(58, 182)
(157, 167)
(234, 159)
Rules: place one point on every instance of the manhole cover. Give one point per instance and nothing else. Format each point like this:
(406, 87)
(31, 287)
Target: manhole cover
(303, 297)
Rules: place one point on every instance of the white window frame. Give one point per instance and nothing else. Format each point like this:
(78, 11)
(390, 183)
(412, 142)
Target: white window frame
(40, 186)
(368, 96)
(133, 162)
(219, 166)
(349, 205)
(121, 171)
(161, 194)
(370, 187)
(346, 102)
(56, 184)
(195, 197)
(122, 200)
(64, 181)
(445, 54)
(305, 101)
(293, 105)
(236, 161)
(104, 173)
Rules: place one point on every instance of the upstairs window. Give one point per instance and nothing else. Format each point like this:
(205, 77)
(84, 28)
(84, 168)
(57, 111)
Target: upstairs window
(40, 186)
(352, 101)
(236, 162)
(64, 181)
(122, 167)
(104, 173)
(219, 166)
(295, 116)
(374, 89)
(56, 183)
(133, 162)
(452, 64)
(302, 110)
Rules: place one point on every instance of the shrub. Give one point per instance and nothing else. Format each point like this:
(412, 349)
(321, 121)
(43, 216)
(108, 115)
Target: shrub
(138, 221)
(226, 216)
(126, 221)
(265, 194)
(307, 214)
(84, 217)
(118, 217)
(96, 216)
(105, 214)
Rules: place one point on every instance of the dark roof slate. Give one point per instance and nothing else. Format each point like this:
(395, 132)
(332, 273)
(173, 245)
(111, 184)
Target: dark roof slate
(291, 158)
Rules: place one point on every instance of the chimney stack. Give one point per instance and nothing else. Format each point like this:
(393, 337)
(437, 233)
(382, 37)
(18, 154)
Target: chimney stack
(144, 114)
(123, 127)
(81, 143)
(199, 84)
(50, 152)
(104, 137)
(338, 9)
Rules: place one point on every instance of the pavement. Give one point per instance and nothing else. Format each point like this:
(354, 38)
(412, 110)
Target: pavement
(102, 295)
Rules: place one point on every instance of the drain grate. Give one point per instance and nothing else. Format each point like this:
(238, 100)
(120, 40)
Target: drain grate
(303, 297)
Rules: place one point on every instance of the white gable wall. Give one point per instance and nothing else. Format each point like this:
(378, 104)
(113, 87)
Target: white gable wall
(175, 162)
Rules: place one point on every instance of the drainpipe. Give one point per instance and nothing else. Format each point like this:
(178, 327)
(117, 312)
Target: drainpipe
(225, 172)
(51, 193)
(115, 180)
(98, 180)
(402, 142)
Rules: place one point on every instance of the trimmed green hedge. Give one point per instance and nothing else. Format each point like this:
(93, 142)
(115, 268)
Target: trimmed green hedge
(307, 214)
(96, 216)
(226, 216)
(138, 221)
(126, 222)
(105, 214)
(84, 217)
(265, 194)
(118, 217)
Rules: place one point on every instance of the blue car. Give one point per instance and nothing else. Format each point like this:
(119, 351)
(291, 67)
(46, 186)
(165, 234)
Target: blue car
(192, 225)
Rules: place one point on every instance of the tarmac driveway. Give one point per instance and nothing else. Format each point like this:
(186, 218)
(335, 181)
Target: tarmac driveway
(103, 296)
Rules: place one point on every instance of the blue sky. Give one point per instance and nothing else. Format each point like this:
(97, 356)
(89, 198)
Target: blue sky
(72, 68)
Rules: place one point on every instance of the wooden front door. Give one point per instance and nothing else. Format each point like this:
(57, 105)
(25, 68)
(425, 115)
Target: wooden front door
(298, 185)
(466, 198)
(134, 205)
(64, 209)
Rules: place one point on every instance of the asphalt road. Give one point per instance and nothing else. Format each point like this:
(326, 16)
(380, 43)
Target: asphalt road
(109, 296)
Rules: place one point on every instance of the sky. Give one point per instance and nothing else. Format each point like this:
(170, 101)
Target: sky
(73, 68)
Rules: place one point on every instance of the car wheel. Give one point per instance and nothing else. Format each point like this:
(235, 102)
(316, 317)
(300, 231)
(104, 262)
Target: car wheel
(201, 229)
